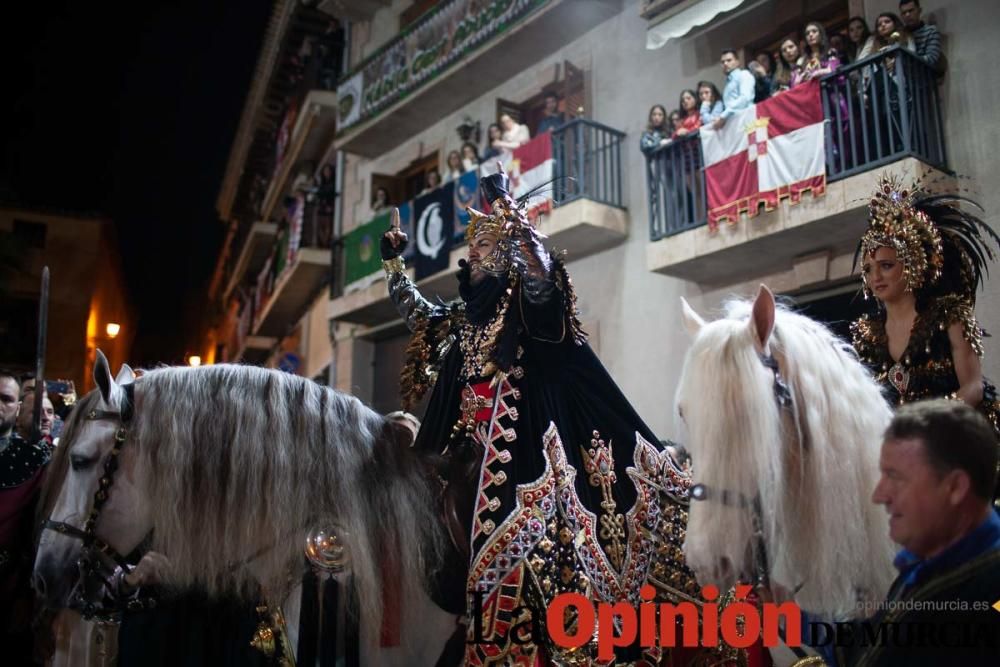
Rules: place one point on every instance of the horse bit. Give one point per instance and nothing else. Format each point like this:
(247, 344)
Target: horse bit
(89, 563)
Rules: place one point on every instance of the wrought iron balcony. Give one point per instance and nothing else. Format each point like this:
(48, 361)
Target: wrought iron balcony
(587, 215)
(878, 110)
(883, 111)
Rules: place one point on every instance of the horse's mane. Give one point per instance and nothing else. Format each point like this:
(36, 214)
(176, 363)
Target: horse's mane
(813, 467)
(55, 472)
(238, 459)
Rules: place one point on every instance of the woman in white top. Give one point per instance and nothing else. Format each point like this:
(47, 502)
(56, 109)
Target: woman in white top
(453, 168)
(889, 31)
(470, 156)
(514, 134)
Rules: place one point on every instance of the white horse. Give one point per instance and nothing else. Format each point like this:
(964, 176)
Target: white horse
(784, 426)
(225, 470)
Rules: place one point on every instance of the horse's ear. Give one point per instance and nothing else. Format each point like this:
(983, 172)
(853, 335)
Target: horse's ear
(762, 317)
(400, 435)
(125, 375)
(692, 320)
(102, 376)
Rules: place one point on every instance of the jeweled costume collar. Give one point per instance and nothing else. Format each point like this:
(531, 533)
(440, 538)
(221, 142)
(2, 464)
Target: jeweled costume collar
(20, 461)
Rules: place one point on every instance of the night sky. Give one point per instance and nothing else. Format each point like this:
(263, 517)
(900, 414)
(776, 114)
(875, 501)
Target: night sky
(129, 109)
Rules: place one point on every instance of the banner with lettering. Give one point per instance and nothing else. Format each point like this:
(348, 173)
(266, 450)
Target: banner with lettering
(440, 38)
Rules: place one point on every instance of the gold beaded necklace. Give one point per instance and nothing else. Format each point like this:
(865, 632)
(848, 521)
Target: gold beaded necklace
(478, 343)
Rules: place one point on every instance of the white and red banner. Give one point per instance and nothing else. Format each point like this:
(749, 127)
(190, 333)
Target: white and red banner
(529, 166)
(764, 153)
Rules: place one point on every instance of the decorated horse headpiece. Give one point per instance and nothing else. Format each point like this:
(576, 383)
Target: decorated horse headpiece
(940, 246)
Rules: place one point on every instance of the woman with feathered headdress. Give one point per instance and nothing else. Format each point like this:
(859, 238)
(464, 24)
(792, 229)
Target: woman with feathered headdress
(923, 258)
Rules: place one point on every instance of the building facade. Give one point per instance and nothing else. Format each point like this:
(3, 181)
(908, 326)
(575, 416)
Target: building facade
(89, 306)
(415, 84)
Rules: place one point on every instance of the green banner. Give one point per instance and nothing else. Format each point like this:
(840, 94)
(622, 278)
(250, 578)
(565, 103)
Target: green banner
(361, 253)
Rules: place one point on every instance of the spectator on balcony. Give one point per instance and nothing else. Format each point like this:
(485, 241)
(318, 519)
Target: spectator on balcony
(889, 31)
(657, 131)
(788, 58)
(380, 202)
(552, 117)
(453, 168)
(514, 133)
(325, 185)
(432, 182)
(493, 136)
(688, 114)
(762, 84)
(857, 34)
(819, 59)
(926, 37)
(674, 121)
(837, 45)
(739, 90)
(470, 156)
(766, 60)
(711, 102)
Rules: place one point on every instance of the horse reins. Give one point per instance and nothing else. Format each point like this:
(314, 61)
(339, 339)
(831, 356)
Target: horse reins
(93, 546)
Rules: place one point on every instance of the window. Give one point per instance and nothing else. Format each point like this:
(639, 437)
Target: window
(406, 183)
(30, 234)
(568, 87)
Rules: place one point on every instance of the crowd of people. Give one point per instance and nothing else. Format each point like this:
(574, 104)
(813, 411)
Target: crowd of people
(25, 449)
(799, 58)
(502, 137)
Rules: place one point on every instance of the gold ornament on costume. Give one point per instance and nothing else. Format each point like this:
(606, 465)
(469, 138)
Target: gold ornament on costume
(481, 223)
(507, 223)
(893, 222)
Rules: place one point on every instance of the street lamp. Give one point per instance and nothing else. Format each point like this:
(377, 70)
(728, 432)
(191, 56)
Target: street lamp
(112, 329)
(194, 360)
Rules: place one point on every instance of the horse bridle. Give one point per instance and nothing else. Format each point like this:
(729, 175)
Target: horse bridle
(702, 492)
(89, 563)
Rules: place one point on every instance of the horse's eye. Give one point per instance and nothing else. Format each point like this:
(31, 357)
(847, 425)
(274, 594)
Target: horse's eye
(79, 462)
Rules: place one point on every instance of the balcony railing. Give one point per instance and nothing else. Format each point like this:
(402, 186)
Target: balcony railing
(591, 154)
(587, 215)
(675, 176)
(878, 110)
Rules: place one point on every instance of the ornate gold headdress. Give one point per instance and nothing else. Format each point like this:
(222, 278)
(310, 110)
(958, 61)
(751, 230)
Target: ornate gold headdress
(481, 223)
(894, 222)
(940, 245)
(503, 222)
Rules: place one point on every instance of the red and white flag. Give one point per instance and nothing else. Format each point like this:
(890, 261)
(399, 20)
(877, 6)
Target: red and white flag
(763, 153)
(529, 166)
